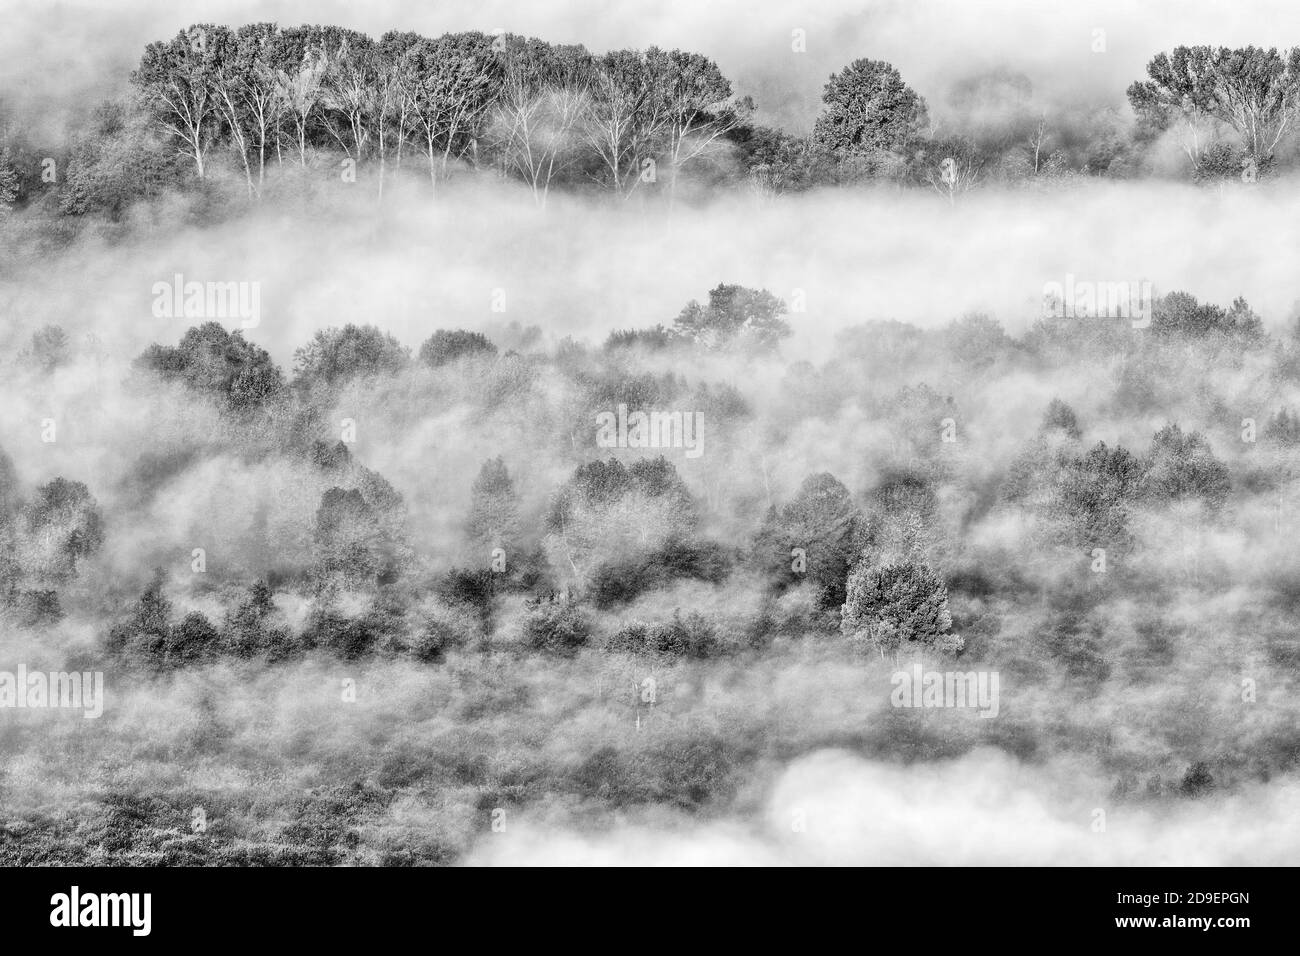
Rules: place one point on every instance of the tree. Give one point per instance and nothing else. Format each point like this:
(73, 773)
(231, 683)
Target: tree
(50, 349)
(609, 512)
(458, 77)
(397, 80)
(556, 625)
(868, 112)
(249, 95)
(175, 78)
(9, 491)
(1282, 445)
(1255, 92)
(626, 118)
(10, 565)
(350, 107)
(1060, 418)
(62, 525)
(209, 359)
(245, 631)
(1037, 141)
(692, 636)
(148, 631)
(1179, 314)
(977, 341)
(916, 415)
(1184, 477)
(697, 106)
(953, 166)
(336, 355)
(297, 67)
(494, 507)
(735, 315)
(1198, 780)
(351, 551)
(776, 161)
(1181, 468)
(192, 640)
(823, 523)
(1219, 163)
(904, 506)
(1095, 492)
(9, 184)
(120, 159)
(535, 122)
(897, 606)
(447, 346)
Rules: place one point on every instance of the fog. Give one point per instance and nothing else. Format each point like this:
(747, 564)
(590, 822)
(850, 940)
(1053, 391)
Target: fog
(585, 267)
(985, 809)
(817, 768)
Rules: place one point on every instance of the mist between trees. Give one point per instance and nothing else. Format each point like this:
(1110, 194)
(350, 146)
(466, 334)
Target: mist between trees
(1114, 544)
(367, 586)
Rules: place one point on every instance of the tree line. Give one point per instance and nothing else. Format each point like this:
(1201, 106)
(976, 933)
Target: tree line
(261, 97)
(540, 112)
(615, 532)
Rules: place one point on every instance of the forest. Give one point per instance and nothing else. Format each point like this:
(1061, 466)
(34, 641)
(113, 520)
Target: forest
(371, 580)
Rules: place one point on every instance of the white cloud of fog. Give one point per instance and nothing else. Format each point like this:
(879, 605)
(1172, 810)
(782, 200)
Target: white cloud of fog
(984, 809)
(584, 267)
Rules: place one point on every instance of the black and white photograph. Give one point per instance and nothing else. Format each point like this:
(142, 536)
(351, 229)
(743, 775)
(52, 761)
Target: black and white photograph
(577, 433)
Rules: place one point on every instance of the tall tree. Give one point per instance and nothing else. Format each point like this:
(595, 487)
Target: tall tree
(9, 184)
(494, 507)
(175, 79)
(458, 79)
(697, 105)
(869, 111)
(544, 97)
(335, 355)
(823, 523)
(735, 315)
(1255, 92)
(350, 84)
(247, 97)
(1184, 476)
(627, 118)
(297, 63)
(62, 525)
(607, 511)
(396, 83)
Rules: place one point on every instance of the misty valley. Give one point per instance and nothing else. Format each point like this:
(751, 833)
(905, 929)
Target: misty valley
(459, 447)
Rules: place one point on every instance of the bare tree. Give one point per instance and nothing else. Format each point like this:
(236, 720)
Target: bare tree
(960, 168)
(1036, 140)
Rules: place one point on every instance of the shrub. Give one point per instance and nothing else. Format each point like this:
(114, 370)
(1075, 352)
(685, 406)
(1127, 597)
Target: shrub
(442, 630)
(692, 636)
(1198, 780)
(555, 624)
